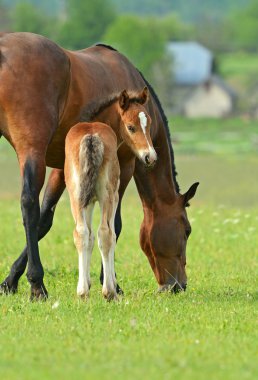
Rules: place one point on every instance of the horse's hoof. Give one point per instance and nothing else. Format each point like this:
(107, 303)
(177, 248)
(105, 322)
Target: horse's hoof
(39, 293)
(119, 291)
(83, 295)
(110, 295)
(5, 288)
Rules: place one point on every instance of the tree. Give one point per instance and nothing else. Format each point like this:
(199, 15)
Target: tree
(243, 28)
(86, 22)
(174, 29)
(4, 18)
(140, 39)
(25, 17)
(143, 41)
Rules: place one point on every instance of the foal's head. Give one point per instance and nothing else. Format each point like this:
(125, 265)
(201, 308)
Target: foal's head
(135, 125)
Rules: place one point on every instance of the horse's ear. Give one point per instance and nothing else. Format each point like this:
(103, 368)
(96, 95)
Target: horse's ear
(144, 95)
(124, 100)
(190, 194)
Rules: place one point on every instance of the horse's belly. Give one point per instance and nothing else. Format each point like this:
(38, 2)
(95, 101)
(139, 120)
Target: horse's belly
(55, 155)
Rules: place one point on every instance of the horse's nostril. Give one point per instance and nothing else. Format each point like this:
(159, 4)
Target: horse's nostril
(178, 288)
(147, 159)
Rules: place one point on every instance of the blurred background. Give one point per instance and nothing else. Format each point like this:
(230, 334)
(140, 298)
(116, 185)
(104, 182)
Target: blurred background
(200, 57)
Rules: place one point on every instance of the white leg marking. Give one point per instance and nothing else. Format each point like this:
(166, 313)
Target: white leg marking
(81, 237)
(106, 235)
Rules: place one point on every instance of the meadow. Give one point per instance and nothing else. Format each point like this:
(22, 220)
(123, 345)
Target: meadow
(209, 331)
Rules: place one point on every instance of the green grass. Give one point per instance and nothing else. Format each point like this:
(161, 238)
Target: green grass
(208, 332)
(240, 70)
(238, 136)
(239, 67)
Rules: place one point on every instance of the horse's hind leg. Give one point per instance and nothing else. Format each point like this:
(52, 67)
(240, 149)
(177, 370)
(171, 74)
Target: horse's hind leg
(126, 173)
(107, 240)
(53, 192)
(84, 242)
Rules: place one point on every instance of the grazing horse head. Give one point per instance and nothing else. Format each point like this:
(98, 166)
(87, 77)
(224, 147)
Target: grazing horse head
(135, 125)
(164, 237)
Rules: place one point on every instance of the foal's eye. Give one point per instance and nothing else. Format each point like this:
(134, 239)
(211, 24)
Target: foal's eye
(131, 128)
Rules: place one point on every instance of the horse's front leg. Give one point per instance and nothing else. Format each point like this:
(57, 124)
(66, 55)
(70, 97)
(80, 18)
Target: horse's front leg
(33, 174)
(53, 192)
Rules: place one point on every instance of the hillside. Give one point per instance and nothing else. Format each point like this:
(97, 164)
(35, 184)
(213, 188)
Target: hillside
(192, 10)
(189, 11)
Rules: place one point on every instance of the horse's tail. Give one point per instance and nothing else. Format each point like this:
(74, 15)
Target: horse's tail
(90, 159)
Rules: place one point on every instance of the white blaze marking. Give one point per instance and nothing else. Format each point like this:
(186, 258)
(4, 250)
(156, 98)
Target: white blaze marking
(143, 121)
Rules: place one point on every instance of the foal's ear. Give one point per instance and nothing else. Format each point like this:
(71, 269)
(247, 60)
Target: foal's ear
(144, 95)
(124, 100)
(190, 194)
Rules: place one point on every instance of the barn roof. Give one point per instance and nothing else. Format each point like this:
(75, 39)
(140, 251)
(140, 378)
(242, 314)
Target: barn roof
(192, 62)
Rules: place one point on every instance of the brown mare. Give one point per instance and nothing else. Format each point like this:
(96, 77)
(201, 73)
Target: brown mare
(92, 174)
(44, 91)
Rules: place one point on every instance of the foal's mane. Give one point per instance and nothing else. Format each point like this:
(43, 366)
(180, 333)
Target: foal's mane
(94, 108)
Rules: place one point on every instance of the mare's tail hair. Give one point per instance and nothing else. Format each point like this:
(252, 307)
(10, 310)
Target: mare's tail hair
(90, 159)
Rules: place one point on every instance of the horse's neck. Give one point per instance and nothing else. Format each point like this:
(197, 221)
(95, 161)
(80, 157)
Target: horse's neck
(111, 116)
(156, 186)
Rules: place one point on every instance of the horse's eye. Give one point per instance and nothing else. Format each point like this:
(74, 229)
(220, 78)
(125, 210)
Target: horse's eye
(131, 128)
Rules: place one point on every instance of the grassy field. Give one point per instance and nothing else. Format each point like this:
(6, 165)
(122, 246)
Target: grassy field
(209, 332)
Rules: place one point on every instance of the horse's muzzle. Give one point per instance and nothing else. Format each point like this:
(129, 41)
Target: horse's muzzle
(149, 158)
(175, 288)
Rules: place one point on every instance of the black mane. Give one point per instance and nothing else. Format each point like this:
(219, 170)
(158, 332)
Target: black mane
(164, 119)
(165, 122)
(106, 46)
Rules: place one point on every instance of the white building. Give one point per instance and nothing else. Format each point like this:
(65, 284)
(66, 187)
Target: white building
(198, 92)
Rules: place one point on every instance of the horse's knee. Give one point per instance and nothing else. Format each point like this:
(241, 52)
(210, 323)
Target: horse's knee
(30, 194)
(106, 237)
(30, 207)
(80, 236)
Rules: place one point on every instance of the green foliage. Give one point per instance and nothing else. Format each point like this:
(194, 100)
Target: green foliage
(4, 17)
(243, 28)
(86, 22)
(174, 29)
(49, 6)
(27, 18)
(140, 39)
(191, 10)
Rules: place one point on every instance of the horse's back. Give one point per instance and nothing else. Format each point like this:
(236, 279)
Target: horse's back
(98, 73)
(78, 131)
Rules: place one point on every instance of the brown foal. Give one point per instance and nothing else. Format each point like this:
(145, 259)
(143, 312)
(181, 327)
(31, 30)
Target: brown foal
(92, 174)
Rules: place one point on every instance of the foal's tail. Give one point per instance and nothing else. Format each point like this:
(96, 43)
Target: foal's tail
(90, 159)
